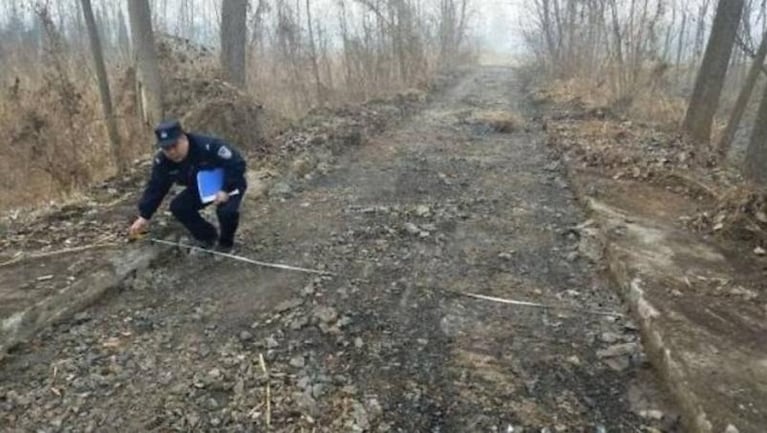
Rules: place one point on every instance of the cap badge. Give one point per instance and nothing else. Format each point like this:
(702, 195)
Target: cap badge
(224, 153)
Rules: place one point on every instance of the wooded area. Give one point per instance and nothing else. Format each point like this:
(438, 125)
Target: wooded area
(693, 64)
(111, 70)
(702, 57)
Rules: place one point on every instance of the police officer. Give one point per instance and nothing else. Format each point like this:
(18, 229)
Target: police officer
(180, 158)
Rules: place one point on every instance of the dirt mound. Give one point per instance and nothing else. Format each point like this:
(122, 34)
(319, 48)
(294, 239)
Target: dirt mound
(218, 108)
(181, 57)
(196, 94)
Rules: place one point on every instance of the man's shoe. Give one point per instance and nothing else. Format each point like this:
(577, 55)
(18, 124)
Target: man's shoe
(206, 245)
(224, 248)
(200, 247)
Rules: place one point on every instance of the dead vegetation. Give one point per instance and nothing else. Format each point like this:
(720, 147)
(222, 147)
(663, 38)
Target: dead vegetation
(632, 95)
(739, 214)
(650, 106)
(599, 138)
(56, 140)
(58, 143)
(599, 141)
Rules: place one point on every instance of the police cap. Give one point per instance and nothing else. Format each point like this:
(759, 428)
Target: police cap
(167, 133)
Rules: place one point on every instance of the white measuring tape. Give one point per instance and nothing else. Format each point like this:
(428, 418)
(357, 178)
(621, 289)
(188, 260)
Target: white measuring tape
(243, 259)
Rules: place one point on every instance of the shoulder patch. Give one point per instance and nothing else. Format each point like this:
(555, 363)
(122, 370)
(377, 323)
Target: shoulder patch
(224, 152)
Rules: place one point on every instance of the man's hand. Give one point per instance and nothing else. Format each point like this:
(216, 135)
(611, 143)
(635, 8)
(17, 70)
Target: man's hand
(138, 227)
(221, 197)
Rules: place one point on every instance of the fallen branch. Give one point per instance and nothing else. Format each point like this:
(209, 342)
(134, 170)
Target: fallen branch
(694, 183)
(268, 391)
(21, 256)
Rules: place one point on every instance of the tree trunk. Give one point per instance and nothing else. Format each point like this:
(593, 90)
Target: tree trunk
(234, 35)
(571, 45)
(123, 41)
(101, 73)
(743, 97)
(185, 21)
(711, 75)
(81, 31)
(461, 32)
(755, 168)
(313, 50)
(619, 86)
(700, 30)
(638, 44)
(680, 47)
(667, 43)
(149, 90)
(102, 24)
(548, 32)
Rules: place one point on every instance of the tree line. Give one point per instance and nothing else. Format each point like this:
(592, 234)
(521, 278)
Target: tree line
(314, 52)
(694, 48)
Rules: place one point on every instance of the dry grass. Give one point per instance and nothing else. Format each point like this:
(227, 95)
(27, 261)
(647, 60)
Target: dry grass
(648, 100)
(575, 91)
(289, 89)
(498, 120)
(58, 143)
(658, 108)
(57, 140)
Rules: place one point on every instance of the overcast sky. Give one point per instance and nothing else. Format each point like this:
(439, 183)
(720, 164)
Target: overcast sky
(495, 22)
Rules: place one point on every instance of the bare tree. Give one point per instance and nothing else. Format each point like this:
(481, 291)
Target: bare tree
(185, 20)
(101, 74)
(452, 19)
(123, 41)
(700, 30)
(711, 75)
(667, 42)
(544, 10)
(234, 15)
(289, 50)
(756, 153)
(149, 90)
(313, 52)
(680, 46)
(743, 97)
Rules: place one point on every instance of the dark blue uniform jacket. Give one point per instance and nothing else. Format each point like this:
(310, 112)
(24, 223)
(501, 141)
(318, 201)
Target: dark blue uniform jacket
(204, 153)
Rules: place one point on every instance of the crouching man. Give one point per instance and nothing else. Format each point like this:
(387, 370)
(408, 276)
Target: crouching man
(181, 157)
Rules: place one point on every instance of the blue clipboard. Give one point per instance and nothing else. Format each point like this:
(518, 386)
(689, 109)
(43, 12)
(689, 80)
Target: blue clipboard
(209, 182)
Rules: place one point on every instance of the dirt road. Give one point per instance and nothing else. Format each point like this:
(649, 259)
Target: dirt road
(440, 206)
